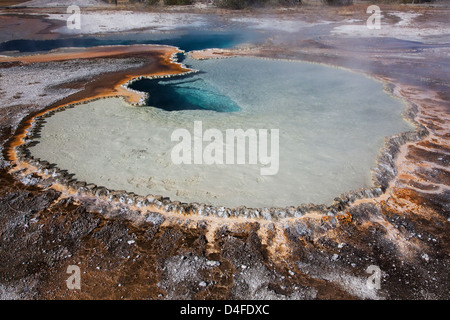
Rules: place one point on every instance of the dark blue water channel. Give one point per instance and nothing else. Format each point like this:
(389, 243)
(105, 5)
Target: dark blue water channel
(188, 41)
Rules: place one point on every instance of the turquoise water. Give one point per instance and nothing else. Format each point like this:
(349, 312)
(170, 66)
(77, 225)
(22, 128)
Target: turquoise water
(185, 93)
(331, 124)
(187, 40)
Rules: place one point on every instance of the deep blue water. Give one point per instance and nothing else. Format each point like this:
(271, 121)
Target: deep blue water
(184, 93)
(192, 40)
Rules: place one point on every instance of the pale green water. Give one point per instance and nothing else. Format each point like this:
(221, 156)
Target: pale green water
(331, 123)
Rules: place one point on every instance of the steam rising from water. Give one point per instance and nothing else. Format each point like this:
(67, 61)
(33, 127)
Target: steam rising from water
(331, 123)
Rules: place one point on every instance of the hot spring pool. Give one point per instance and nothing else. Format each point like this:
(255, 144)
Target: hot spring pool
(331, 124)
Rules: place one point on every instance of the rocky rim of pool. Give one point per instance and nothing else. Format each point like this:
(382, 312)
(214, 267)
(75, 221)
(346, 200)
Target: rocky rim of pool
(50, 174)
